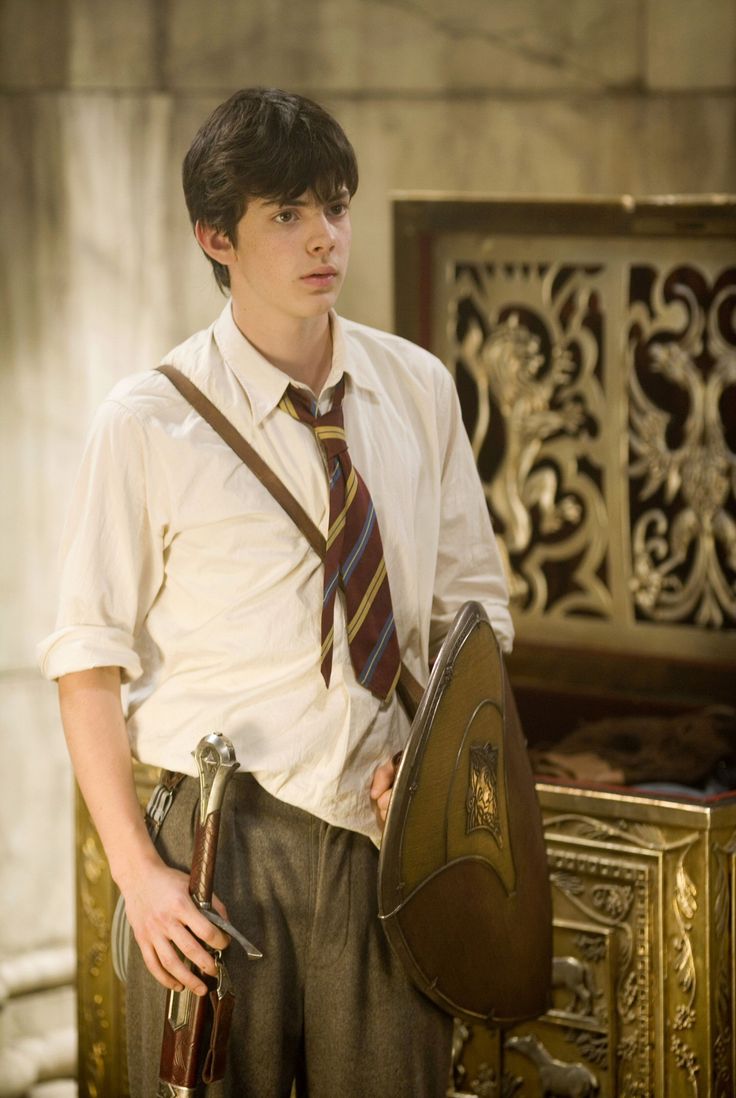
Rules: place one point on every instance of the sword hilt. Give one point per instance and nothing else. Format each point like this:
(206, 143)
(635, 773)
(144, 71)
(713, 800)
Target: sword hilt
(216, 764)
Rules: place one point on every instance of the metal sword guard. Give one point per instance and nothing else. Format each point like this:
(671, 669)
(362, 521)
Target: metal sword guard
(252, 952)
(216, 764)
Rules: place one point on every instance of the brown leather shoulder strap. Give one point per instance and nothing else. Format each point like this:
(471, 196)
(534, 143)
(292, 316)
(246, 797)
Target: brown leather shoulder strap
(407, 688)
(224, 428)
(409, 691)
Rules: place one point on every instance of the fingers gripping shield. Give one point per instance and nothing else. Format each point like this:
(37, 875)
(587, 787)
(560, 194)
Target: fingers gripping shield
(463, 887)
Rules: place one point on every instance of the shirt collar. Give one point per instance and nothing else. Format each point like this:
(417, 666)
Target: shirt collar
(264, 383)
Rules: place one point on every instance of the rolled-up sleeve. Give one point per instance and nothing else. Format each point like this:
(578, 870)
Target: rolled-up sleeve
(469, 566)
(112, 553)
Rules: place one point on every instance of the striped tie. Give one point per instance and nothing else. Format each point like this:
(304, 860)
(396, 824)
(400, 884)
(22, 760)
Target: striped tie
(354, 557)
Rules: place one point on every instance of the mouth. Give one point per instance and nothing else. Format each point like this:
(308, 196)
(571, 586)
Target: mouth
(320, 277)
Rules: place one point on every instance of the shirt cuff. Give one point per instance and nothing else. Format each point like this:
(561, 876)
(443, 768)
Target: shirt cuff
(82, 647)
(499, 617)
(503, 625)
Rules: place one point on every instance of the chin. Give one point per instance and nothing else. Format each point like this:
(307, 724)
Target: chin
(319, 306)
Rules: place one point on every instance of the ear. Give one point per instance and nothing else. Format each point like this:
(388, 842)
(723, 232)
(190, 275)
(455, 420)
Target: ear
(215, 244)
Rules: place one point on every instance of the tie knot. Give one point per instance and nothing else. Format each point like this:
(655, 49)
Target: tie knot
(328, 427)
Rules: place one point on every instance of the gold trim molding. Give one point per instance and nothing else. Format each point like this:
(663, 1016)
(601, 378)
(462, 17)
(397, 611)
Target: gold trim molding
(102, 1066)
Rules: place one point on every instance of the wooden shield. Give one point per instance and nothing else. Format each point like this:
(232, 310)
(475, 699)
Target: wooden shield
(463, 886)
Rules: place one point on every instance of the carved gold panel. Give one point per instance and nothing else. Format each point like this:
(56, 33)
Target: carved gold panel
(643, 970)
(593, 346)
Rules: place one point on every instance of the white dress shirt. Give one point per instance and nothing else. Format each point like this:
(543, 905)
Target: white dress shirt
(181, 569)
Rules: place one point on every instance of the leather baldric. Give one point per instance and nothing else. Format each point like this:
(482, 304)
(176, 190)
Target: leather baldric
(408, 689)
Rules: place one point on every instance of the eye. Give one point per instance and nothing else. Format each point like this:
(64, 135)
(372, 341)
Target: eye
(338, 209)
(285, 217)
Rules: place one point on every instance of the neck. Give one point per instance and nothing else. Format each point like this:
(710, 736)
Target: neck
(302, 348)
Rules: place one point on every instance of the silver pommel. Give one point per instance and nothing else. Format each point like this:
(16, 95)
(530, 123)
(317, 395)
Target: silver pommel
(216, 763)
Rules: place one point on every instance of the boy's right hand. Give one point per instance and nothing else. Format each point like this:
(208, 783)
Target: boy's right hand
(170, 929)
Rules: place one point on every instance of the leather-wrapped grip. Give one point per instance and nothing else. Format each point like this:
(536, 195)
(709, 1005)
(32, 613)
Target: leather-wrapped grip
(202, 876)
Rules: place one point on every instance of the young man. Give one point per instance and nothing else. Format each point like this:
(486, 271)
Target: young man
(188, 583)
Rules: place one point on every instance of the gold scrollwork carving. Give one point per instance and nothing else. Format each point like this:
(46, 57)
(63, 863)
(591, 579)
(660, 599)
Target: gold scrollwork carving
(684, 906)
(627, 1047)
(593, 1046)
(684, 1018)
(636, 835)
(527, 340)
(634, 1088)
(598, 395)
(686, 1059)
(613, 900)
(682, 469)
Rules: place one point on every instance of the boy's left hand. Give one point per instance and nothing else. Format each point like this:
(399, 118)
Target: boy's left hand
(381, 787)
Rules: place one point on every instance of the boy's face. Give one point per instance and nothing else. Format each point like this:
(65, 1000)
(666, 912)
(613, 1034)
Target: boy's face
(290, 259)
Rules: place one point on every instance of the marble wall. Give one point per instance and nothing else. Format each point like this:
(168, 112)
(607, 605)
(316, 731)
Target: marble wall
(100, 276)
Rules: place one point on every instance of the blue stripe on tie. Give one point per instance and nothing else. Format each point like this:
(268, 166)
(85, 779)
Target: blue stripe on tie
(330, 588)
(369, 670)
(336, 474)
(356, 552)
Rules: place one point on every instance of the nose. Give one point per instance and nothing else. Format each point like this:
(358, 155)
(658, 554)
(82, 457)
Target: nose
(322, 236)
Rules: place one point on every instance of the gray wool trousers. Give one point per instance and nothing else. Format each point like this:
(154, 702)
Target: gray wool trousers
(329, 1006)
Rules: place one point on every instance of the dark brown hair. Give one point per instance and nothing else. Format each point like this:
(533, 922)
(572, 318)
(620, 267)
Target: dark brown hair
(263, 143)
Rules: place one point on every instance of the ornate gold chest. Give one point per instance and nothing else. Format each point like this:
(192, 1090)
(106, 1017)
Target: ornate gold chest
(643, 971)
(593, 347)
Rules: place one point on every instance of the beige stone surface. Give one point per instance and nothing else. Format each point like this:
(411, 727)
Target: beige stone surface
(360, 47)
(36, 819)
(357, 46)
(115, 45)
(560, 147)
(99, 249)
(33, 44)
(58, 44)
(397, 45)
(690, 45)
(35, 425)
